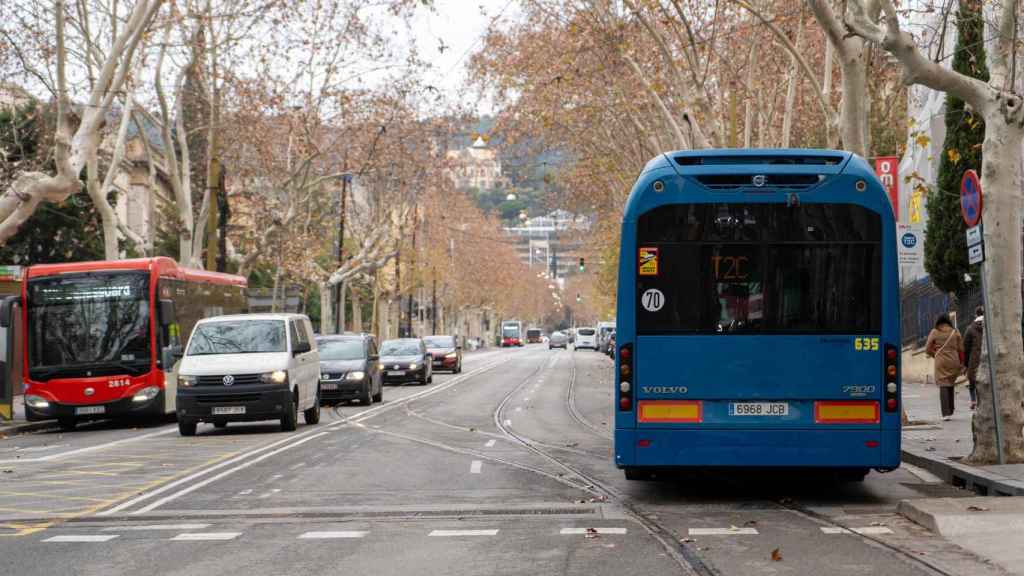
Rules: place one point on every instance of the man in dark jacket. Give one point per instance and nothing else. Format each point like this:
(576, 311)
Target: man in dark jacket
(972, 350)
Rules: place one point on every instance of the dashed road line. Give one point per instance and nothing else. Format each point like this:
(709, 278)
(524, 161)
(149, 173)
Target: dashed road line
(475, 466)
(508, 422)
(490, 444)
(731, 531)
(330, 534)
(584, 531)
(866, 530)
(91, 538)
(205, 536)
(148, 527)
(449, 533)
(270, 493)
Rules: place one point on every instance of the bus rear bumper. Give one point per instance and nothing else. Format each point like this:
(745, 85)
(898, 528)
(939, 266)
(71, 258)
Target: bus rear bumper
(125, 407)
(732, 448)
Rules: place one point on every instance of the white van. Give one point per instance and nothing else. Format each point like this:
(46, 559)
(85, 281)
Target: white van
(586, 338)
(249, 367)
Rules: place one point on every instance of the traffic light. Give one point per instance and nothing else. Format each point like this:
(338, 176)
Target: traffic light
(578, 298)
(582, 266)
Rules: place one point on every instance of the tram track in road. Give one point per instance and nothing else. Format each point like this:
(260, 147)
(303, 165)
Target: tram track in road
(570, 401)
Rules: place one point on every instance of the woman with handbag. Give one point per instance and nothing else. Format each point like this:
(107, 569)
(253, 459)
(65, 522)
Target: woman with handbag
(947, 347)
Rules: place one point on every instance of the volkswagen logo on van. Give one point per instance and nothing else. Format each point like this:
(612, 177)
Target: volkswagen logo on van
(228, 380)
(759, 180)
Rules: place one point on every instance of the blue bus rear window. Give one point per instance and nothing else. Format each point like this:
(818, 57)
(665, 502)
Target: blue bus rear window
(762, 268)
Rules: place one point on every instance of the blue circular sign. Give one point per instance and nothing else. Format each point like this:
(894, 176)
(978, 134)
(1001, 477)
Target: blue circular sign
(909, 240)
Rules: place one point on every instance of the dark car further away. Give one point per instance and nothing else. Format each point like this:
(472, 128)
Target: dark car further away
(445, 351)
(349, 368)
(406, 360)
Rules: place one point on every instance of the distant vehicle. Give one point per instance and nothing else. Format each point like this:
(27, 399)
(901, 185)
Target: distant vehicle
(249, 367)
(603, 330)
(586, 338)
(446, 352)
(772, 276)
(350, 368)
(102, 338)
(558, 340)
(511, 333)
(609, 345)
(406, 360)
(534, 336)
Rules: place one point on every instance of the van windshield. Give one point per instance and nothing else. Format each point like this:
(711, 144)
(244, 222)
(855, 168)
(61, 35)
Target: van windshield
(238, 337)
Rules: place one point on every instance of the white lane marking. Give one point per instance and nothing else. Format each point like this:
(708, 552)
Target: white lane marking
(519, 408)
(297, 466)
(508, 422)
(276, 476)
(721, 531)
(866, 530)
(82, 538)
(464, 533)
(270, 493)
(245, 492)
(922, 474)
(156, 527)
(577, 531)
(490, 444)
(198, 536)
(332, 534)
(475, 467)
(87, 449)
(227, 472)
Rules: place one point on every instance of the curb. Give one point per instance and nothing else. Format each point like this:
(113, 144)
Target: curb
(981, 482)
(13, 429)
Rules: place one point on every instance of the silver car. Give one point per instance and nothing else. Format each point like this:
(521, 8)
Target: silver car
(558, 340)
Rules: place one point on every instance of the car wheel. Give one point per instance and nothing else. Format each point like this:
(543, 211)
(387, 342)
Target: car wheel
(312, 415)
(379, 396)
(67, 424)
(430, 379)
(366, 396)
(220, 424)
(458, 367)
(187, 427)
(290, 419)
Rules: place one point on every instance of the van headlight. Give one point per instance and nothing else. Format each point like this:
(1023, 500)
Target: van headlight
(275, 377)
(412, 366)
(357, 375)
(185, 381)
(146, 394)
(36, 402)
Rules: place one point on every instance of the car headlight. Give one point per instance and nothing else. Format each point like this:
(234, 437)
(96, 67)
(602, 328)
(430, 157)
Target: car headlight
(275, 377)
(412, 366)
(186, 381)
(452, 355)
(146, 394)
(37, 402)
(357, 375)
(381, 366)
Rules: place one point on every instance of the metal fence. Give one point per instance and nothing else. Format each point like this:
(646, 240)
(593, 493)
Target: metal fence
(921, 303)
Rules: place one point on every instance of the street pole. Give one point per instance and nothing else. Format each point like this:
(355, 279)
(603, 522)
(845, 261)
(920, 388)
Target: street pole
(341, 252)
(433, 305)
(991, 365)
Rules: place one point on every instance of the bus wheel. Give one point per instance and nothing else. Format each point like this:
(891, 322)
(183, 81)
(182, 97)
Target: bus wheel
(852, 474)
(634, 473)
(67, 424)
(187, 427)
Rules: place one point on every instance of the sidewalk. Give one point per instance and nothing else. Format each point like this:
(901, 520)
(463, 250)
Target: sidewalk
(19, 424)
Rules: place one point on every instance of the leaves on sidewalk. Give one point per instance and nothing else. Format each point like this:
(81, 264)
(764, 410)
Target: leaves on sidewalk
(973, 508)
(776, 555)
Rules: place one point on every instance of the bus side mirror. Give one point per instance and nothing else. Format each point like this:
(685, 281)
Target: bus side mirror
(167, 314)
(6, 305)
(170, 356)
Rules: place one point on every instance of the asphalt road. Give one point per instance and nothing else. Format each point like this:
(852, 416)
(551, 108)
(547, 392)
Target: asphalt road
(504, 469)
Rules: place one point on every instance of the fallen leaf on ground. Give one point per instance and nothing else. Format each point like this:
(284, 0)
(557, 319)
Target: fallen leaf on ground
(733, 528)
(977, 509)
(930, 449)
(592, 533)
(687, 540)
(472, 429)
(776, 555)
(750, 523)
(572, 444)
(877, 524)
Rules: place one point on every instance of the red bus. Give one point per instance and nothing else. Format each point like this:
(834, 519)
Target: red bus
(102, 338)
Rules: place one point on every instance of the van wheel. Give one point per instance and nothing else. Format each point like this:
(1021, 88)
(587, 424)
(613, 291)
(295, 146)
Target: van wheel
(312, 415)
(366, 397)
(290, 419)
(187, 427)
(67, 424)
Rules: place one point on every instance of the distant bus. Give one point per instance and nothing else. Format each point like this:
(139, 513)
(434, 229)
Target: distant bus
(511, 333)
(102, 338)
(534, 336)
(758, 315)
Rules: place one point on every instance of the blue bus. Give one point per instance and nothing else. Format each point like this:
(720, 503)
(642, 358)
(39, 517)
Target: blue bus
(758, 315)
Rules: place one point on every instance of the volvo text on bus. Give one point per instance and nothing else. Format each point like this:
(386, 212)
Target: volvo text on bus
(758, 315)
(102, 338)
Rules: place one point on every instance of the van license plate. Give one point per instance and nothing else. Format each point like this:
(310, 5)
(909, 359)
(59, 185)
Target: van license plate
(396, 373)
(759, 409)
(228, 410)
(328, 386)
(84, 410)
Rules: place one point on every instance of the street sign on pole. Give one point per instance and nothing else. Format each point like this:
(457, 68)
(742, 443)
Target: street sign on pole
(970, 209)
(910, 245)
(970, 198)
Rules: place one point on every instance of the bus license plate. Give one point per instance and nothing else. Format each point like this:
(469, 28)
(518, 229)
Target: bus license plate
(328, 386)
(228, 410)
(759, 409)
(83, 410)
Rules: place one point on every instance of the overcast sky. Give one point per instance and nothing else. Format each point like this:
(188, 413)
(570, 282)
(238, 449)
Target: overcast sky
(460, 25)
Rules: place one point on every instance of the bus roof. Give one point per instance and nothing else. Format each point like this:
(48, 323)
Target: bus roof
(164, 266)
(737, 159)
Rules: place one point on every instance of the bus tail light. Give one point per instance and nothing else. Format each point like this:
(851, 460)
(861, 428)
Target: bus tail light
(625, 360)
(891, 378)
(859, 412)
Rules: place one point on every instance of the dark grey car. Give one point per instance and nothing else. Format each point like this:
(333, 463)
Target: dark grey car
(406, 360)
(350, 368)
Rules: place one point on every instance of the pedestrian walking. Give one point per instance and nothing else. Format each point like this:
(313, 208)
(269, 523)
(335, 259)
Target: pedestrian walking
(946, 346)
(972, 351)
